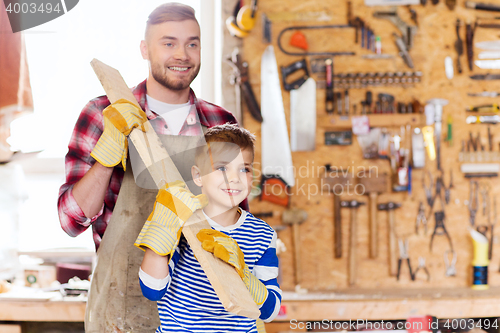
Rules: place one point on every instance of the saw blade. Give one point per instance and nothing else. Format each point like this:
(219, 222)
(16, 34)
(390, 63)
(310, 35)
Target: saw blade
(276, 153)
(303, 116)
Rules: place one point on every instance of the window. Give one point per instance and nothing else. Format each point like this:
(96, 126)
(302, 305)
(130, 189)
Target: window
(59, 54)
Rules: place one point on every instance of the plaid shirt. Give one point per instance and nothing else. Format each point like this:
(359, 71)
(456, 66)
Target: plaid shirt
(88, 130)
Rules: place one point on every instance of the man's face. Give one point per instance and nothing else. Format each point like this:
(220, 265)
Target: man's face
(173, 50)
(230, 182)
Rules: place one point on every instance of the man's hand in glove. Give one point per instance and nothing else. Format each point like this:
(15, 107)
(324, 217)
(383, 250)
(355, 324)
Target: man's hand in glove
(226, 249)
(173, 206)
(119, 120)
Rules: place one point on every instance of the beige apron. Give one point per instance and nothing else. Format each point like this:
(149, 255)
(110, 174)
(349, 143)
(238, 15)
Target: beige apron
(115, 302)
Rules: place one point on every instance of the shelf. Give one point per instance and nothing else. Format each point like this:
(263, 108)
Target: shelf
(376, 120)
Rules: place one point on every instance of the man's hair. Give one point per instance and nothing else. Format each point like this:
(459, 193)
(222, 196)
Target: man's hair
(172, 11)
(236, 136)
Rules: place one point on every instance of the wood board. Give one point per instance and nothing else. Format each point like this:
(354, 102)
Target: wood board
(226, 282)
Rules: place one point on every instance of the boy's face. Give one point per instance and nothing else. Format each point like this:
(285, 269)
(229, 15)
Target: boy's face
(229, 183)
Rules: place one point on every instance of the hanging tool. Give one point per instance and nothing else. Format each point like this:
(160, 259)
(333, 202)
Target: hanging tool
(493, 108)
(303, 117)
(482, 6)
(266, 29)
(352, 268)
(484, 94)
(492, 228)
(299, 40)
(277, 166)
(451, 4)
(473, 201)
(469, 40)
(295, 217)
(403, 50)
(239, 78)
(428, 190)
(480, 261)
(447, 189)
(450, 264)
(338, 183)
(483, 119)
(289, 70)
(403, 255)
(373, 185)
(329, 86)
(438, 104)
(488, 64)
(422, 266)
(485, 77)
(243, 19)
(428, 133)
(418, 150)
(408, 31)
(391, 207)
(421, 218)
(308, 53)
(439, 227)
(449, 134)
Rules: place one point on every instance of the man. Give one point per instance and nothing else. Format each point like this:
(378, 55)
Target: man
(100, 190)
(172, 48)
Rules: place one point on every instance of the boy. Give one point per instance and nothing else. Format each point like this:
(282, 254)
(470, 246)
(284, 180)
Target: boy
(171, 275)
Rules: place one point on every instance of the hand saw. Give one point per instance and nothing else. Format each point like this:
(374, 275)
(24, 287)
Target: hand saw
(226, 282)
(276, 154)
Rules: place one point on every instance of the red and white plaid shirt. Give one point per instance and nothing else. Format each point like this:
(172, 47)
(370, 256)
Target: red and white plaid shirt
(88, 130)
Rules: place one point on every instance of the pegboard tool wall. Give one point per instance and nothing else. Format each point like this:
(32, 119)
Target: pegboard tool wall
(433, 42)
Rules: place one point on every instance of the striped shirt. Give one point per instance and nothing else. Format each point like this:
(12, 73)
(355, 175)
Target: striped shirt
(187, 301)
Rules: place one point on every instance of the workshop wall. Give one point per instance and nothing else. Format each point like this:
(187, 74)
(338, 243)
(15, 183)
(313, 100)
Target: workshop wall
(434, 41)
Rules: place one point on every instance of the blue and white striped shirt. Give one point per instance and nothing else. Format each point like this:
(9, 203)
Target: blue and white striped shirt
(187, 301)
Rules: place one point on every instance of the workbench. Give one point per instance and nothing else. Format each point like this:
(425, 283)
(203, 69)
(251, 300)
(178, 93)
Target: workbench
(338, 306)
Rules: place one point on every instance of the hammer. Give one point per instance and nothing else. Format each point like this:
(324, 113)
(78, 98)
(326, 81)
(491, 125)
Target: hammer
(393, 260)
(373, 185)
(337, 183)
(295, 217)
(353, 205)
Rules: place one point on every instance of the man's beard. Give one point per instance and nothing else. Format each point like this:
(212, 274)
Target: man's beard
(159, 74)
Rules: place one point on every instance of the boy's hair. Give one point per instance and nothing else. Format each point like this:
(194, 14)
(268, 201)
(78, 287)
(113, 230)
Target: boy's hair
(231, 133)
(227, 133)
(172, 11)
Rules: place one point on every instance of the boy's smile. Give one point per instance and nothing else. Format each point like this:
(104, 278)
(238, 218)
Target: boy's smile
(228, 184)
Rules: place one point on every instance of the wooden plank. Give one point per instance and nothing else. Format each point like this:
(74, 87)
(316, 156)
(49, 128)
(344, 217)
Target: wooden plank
(51, 311)
(226, 282)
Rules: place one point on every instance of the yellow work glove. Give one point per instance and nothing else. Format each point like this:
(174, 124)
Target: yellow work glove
(226, 249)
(173, 206)
(119, 120)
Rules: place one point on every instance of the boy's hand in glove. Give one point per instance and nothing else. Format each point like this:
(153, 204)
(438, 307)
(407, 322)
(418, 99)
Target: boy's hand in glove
(173, 206)
(226, 249)
(119, 120)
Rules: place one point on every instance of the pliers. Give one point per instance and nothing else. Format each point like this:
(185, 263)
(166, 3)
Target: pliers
(421, 265)
(403, 255)
(421, 218)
